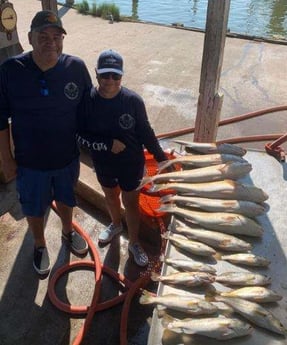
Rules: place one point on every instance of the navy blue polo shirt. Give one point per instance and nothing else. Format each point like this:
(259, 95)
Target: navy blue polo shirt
(43, 109)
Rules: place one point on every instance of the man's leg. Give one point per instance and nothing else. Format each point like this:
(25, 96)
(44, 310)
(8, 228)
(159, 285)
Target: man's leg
(36, 225)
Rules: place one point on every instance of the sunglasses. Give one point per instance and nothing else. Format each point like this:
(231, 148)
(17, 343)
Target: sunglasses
(107, 75)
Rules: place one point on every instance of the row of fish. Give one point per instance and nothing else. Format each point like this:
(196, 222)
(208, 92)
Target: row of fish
(215, 208)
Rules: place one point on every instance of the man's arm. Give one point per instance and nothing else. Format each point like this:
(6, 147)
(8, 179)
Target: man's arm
(8, 164)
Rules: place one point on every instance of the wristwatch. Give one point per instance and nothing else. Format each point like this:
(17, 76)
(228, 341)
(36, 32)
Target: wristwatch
(8, 19)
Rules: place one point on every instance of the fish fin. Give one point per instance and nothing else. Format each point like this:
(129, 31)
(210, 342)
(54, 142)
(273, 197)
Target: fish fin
(144, 181)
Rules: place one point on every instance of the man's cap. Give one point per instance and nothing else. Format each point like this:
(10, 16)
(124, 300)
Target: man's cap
(110, 61)
(45, 19)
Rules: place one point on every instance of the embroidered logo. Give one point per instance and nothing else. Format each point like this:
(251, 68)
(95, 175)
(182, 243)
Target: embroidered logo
(126, 121)
(71, 91)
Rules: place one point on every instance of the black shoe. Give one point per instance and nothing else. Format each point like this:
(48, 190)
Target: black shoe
(76, 242)
(41, 261)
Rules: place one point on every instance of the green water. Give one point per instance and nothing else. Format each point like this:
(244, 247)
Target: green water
(261, 18)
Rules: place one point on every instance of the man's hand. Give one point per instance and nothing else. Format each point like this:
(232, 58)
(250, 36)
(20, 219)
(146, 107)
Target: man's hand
(9, 169)
(118, 146)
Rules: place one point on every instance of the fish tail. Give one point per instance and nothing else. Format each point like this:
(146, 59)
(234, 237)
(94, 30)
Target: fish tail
(166, 198)
(166, 207)
(145, 297)
(166, 320)
(155, 276)
(163, 165)
(144, 181)
(165, 236)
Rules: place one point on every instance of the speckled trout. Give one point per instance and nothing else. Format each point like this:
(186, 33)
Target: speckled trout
(254, 313)
(246, 208)
(193, 247)
(243, 278)
(248, 259)
(213, 238)
(188, 265)
(220, 328)
(231, 223)
(196, 161)
(190, 279)
(187, 304)
(207, 148)
(230, 170)
(226, 189)
(259, 294)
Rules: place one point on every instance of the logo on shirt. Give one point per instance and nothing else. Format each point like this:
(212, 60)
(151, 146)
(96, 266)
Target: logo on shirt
(71, 91)
(126, 121)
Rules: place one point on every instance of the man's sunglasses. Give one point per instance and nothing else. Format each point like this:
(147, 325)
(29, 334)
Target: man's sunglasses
(107, 75)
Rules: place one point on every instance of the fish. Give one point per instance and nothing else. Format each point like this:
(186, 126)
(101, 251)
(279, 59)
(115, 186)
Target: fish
(231, 223)
(208, 148)
(188, 265)
(200, 160)
(255, 313)
(230, 170)
(220, 328)
(193, 247)
(244, 207)
(248, 259)
(188, 304)
(243, 278)
(259, 294)
(189, 279)
(225, 189)
(213, 238)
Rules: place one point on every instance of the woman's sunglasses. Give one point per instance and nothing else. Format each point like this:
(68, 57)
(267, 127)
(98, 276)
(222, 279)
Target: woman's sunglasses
(107, 75)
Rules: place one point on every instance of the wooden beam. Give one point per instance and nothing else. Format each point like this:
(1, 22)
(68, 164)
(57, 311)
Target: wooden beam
(210, 101)
(50, 5)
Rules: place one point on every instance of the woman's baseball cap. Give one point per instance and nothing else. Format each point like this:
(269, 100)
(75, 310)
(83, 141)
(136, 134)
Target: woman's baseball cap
(110, 61)
(45, 19)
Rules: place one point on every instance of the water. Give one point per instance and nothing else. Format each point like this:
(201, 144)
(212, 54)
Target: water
(261, 18)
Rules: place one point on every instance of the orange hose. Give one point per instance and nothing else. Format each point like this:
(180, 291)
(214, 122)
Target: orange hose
(140, 283)
(230, 120)
(99, 269)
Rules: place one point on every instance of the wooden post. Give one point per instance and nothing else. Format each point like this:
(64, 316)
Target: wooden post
(50, 5)
(210, 101)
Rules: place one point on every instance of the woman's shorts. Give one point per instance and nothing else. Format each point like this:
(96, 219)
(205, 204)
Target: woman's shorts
(127, 178)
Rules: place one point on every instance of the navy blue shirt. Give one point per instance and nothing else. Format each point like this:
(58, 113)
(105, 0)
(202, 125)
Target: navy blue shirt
(124, 118)
(43, 109)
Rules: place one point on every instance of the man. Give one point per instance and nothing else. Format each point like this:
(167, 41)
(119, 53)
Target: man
(40, 92)
(115, 112)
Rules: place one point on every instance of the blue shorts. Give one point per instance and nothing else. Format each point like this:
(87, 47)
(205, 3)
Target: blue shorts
(128, 178)
(37, 188)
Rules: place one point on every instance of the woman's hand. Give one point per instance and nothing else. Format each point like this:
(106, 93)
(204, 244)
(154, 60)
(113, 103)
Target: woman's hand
(118, 146)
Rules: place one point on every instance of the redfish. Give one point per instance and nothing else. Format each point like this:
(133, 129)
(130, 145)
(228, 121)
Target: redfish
(225, 189)
(230, 170)
(244, 207)
(231, 223)
(207, 148)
